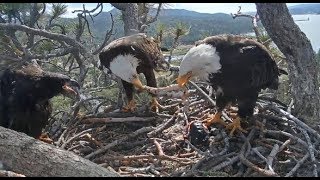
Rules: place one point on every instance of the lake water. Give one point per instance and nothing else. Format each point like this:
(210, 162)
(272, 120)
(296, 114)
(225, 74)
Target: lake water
(310, 28)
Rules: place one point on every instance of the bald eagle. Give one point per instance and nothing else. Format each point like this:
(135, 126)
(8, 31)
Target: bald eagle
(25, 94)
(236, 67)
(129, 56)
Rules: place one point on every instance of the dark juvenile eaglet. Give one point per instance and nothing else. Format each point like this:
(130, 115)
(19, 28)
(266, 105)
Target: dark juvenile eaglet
(25, 94)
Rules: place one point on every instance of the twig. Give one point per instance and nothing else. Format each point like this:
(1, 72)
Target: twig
(206, 154)
(137, 170)
(311, 151)
(271, 157)
(162, 127)
(209, 98)
(296, 167)
(158, 146)
(225, 163)
(288, 135)
(50, 35)
(255, 150)
(296, 120)
(226, 143)
(252, 166)
(285, 144)
(116, 120)
(116, 142)
(290, 106)
(4, 173)
(254, 19)
(107, 37)
(63, 146)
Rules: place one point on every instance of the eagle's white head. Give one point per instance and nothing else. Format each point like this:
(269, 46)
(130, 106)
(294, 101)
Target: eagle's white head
(125, 67)
(200, 61)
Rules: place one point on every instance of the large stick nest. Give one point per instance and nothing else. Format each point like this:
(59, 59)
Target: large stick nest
(159, 144)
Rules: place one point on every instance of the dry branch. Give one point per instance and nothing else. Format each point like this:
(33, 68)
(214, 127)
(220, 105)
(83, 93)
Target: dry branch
(116, 120)
(31, 157)
(4, 173)
(254, 19)
(116, 142)
(296, 167)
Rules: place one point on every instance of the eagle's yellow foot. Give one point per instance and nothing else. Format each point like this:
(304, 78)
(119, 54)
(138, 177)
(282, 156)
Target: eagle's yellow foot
(130, 107)
(45, 138)
(214, 119)
(155, 104)
(235, 125)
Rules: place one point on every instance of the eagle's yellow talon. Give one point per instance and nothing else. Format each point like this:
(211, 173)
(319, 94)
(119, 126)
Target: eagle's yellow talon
(215, 119)
(155, 104)
(45, 138)
(235, 125)
(131, 106)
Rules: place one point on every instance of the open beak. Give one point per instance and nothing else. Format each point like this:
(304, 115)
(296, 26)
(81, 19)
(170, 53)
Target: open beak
(68, 90)
(137, 83)
(182, 80)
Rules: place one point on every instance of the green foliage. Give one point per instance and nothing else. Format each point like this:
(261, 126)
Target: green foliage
(6, 8)
(61, 103)
(160, 29)
(44, 46)
(58, 9)
(181, 29)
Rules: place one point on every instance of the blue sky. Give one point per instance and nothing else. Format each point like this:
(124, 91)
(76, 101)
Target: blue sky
(198, 7)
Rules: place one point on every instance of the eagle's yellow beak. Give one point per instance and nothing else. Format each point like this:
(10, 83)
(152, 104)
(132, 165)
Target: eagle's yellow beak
(182, 80)
(137, 83)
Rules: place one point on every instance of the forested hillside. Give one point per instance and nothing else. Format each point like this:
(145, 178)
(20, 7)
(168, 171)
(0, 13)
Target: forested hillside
(201, 24)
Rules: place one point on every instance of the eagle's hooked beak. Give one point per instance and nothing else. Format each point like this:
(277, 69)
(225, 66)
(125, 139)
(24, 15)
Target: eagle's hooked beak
(182, 80)
(137, 83)
(68, 90)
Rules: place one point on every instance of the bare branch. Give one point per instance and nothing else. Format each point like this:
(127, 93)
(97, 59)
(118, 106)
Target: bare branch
(116, 120)
(209, 98)
(254, 19)
(296, 167)
(107, 37)
(4, 173)
(156, 16)
(63, 30)
(296, 120)
(46, 34)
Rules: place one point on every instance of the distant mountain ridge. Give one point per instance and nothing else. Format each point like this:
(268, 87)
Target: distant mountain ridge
(312, 8)
(202, 24)
(308, 8)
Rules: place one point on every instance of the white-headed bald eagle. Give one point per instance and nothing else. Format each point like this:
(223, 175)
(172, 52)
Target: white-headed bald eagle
(129, 56)
(236, 67)
(25, 95)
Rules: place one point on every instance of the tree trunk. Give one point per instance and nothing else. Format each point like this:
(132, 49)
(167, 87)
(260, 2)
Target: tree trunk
(130, 17)
(31, 157)
(302, 64)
